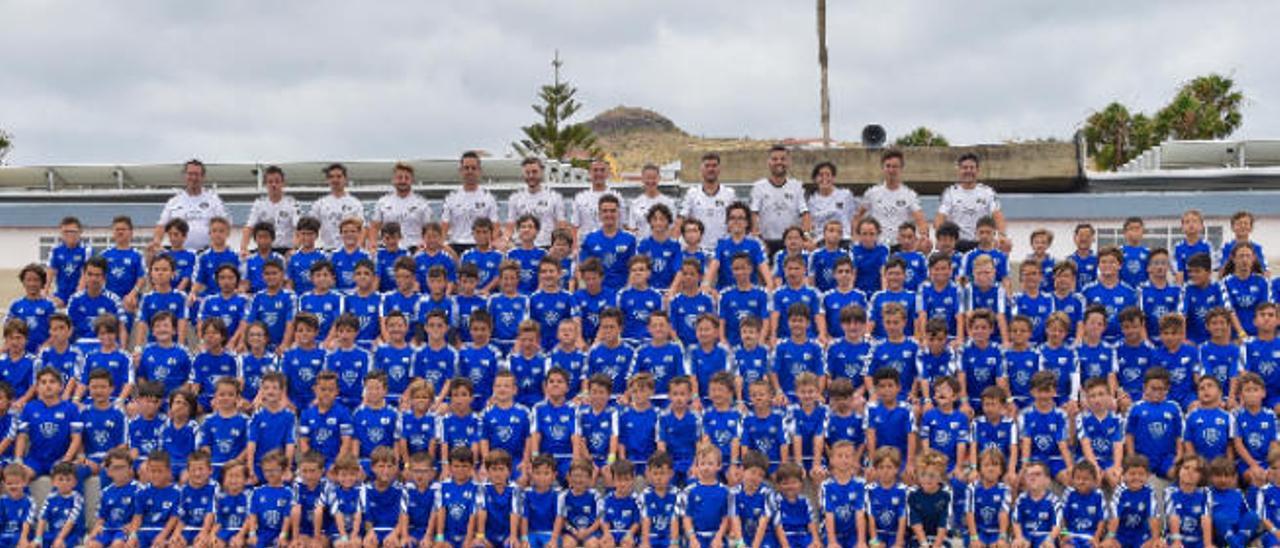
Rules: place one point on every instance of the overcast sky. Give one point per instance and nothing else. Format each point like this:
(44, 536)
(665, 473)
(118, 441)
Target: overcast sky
(160, 81)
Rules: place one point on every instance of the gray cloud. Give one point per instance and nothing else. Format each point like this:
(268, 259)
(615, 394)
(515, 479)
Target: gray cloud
(149, 81)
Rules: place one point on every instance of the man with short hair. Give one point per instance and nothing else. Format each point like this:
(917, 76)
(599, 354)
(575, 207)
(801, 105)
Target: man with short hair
(464, 205)
(335, 206)
(194, 204)
(585, 216)
(967, 201)
(277, 208)
(708, 202)
(892, 203)
(638, 212)
(609, 244)
(401, 205)
(777, 201)
(537, 200)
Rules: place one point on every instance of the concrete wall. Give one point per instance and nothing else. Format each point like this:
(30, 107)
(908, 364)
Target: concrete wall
(1009, 168)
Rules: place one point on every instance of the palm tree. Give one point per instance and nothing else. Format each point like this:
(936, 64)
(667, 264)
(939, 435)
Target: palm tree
(1207, 107)
(922, 137)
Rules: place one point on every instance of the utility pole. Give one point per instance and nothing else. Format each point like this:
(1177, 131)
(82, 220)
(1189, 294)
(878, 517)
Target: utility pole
(822, 67)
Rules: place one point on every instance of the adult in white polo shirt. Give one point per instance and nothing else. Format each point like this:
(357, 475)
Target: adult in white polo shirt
(194, 204)
(638, 212)
(585, 216)
(967, 201)
(892, 203)
(536, 199)
(277, 208)
(403, 206)
(335, 206)
(830, 203)
(708, 202)
(777, 201)
(464, 205)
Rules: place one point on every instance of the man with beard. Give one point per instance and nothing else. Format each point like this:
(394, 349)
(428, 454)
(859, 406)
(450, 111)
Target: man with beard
(585, 216)
(403, 206)
(777, 201)
(638, 213)
(708, 202)
(463, 206)
(194, 204)
(335, 206)
(536, 200)
(892, 203)
(967, 201)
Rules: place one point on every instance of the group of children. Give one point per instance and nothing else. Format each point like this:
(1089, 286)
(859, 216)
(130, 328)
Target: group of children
(642, 393)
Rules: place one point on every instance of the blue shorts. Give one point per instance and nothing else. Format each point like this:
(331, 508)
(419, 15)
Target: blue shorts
(799, 539)
(147, 537)
(108, 536)
(225, 534)
(382, 532)
(539, 540)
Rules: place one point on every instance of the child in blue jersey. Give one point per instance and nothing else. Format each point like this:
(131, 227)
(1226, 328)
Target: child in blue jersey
(941, 298)
(109, 357)
(660, 357)
(620, 514)
(1208, 428)
(1095, 359)
(8, 423)
(535, 505)
(1156, 296)
(104, 431)
(577, 510)
(1060, 359)
(686, 302)
(1035, 300)
(1083, 258)
(325, 426)
(721, 419)
(1246, 288)
(843, 295)
(1235, 523)
(33, 308)
(842, 496)
(1254, 423)
(339, 512)
(321, 301)
(869, 256)
(179, 431)
(1136, 256)
(383, 502)
(1153, 427)
(60, 354)
(705, 507)
(743, 300)
(808, 417)
(750, 499)
(49, 427)
(389, 254)
(794, 244)
(551, 304)
(907, 250)
(1133, 357)
(1220, 356)
(595, 433)
(156, 510)
(981, 361)
(751, 360)
(1134, 507)
(929, 505)
(94, 300)
(885, 509)
(1100, 432)
(225, 432)
(394, 355)
(195, 502)
(765, 428)
(890, 422)
(691, 232)
(66, 261)
(435, 362)
(59, 521)
(374, 424)
(505, 424)
(418, 422)
(1262, 353)
(797, 355)
(213, 363)
(1083, 520)
(1266, 502)
(365, 303)
(507, 308)
(479, 360)
(496, 520)
(270, 504)
(987, 502)
(822, 262)
(793, 516)
(637, 301)
(553, 421)
(679, 428)
(117, 507)
(1200, 295)
(1180, 359)
(893, 294)
(164, 361)
(657, 504)
(844, 422)
(272, 426)
(945, 428)
(1043, 429)
(306, 255)
(435, 298)
(349, 361)
(526, 253)
(528, 363)
(896, 352)
(846, 357)
(16, 506)
(1034, 519)
(17, 367)
(1109, 291)
(460, 426)
(1041, 240)
(225, 303)
(986, 232)
(308, 489)
(796, 290)
(143, 427)
(609, 356)
(1066, 298)
(126, 269)
(345, 258)
(274, 306)
(986, 293)
(1241, 227)
(257, 360)
(404, 298)
(1188, 506)
(569, 356)
(432, 254)
(637, 422)
(1193, 243)
(737, 240)
(591, 298)
(264, 236)
(936, 358)
(485, 258)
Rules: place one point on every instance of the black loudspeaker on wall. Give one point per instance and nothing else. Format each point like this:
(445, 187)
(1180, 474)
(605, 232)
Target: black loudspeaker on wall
(873, 136)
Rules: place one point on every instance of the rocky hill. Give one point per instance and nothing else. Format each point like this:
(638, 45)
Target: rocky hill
(636, 136)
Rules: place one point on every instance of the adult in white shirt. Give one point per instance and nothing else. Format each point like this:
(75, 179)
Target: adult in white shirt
(277, 208)
(537, 200)
(892, 204)
(585, 216)
(335, 206)
(401, 205)
(463, 206)
(194, 204)
(777, 201)
(967, 201)
(830, 203)
(638, 213)
(708, 203)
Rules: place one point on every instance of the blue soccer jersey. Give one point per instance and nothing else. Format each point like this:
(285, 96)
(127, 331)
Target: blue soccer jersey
(636, 305)
(1082, 514)
(1262, 356)
(944, 302)
(784, 298)
(555, 425)
(538, 509)
(424, 260)
(251, 368)
(722, 427)
(231, 309)
(272, 505)
(1000, 434)
(664, 257)
(1133, 270)
(886, 508)
(679, 434)
(206, 368)
(935, 366)
(1210, 431)
(987, 503)
(867, 263)
(344, 266)
(899, 356)
(156, 506)
(620, 513)
(57, 511)
(822, 266)
(1086, 268)
(613, 362)
(1103, 434)
(892, 426)
(597, 428)
(1197, 301)
(850, 427)
(1221, 361)
(117, 506)
(480, 365)
(1183, 364)
(193, 505)
(614, 253)
(1134, 509)
(1132, 362)
(770, 434)
(487, 262)
(435, 365)
(578, 510)
(751, 510)
(67, 264)
(998, 259)
(548, 309)
(1061, 360)
(104, 430)
(982, 365)
(144, 434)
(727, 248)
(875, 309)
(705, 363)
(1245, 294)
(168, 365)
(792, 359)
(1046, 430)
(507, 429)
(917, 271)
(660, 510)
(664, 362)
(685, 311)
(351, 365)
(947, 433)
(843, 502)
(1095, 361)
(834, 301)
(116, 362)
(374, 427)
(589, 308)
(225, 436)
(385, 260)
(50, 430)
(270, 430)
(275, 310)
(706, 506)
(637, 433)
(325, 306)
(382, 507)
(507, 312)
(530, 372)
(1188, 507)
(1037, 308)
(1036, 517)
(18, 373)
(231, 512)
(1257, 431)
(528, 260)
(847, 359)
(84, 308)
(1156, 429)
(67, 363)
(738, 304)
(124, 268)
(300, 367)
(1114, 298)
(459, 430)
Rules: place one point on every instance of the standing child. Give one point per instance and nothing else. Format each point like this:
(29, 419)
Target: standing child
(526, 253)
(551, 304)
(940, 298)
(895, 352)
(1136, 255)
(1153, 428)
(808, 416)
(209, 261)
(303, 362)
(270, 504)
(554, 421)
(1241, 227)
(1133, 357)
(483, 256)
(508, 307)
(847, 356)
(126, 269)
(986, 293)
(435, 362)
(308, 489)
(1043, 428)
(798, 355)
(1058, 358)
(893, 293)
(496, 505)
(264, 235)
(349, 361)
(505, 424)
(418, 423)
(1156, 296)
(766, 429)
(85, 306)
(1246, 288)
(1188, 504)
(321, 301)
(794, 244)
(662, 250)
(687, 302)
(822, 262)
(637, 301)
(637, 423)
(1109, 291)
(1021, 361)
(1035, 514)
(345, 258)
(795, 291)
(178, 434)
(1179, 359)
(870, 257)
(1200, 295)
(929, 504)
(987, 232)
(16, 507)
(1035, 300)
(143, 428)
(1095, 359)
(608, 356)
(383, 501)
(751, 360)
(225, 432)
(388, 255)
(722, 420)
(161, 298)
(479, 361)
(592, 299)
(272, 426)
(66, 261)
(365, 303)
(116, 511)
(1193, 242)
(374, 424)
(59, 521)
(33, 307)
(1208, 428)
(1220, 356)
(737, 241)
(433, 254)
(1066, 298)
(1101, 433)
(595, 437)
(1253, 421)
(305, 256)
(987, 502)
(679, 429)
(213, 364)
(394, 355)
(981, 362)
(273, 307)
(60, 355)
(1085, 261)
(842, 296)
(661, 357)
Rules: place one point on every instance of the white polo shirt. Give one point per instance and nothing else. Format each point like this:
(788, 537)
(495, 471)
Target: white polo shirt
(586, 210)
(710, 209)
(196, 211)
(283, 215)
(461, 209)
(840, 205)
(411, 211)
(890, 208)
(546, 205)
(330, 210)
(638, 214)
(779, 206)
(964, 206)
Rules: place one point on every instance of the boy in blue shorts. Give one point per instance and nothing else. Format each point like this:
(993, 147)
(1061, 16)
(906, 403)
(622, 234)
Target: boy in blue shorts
(705, 507)
(116, 509)
(383, 498)
(765, 428)
(66, 261)
(554, 422)
(1153, 428)
(342, 504)
(505, 425)
(842, 496)
(325, 426)
(658, 523)
(59, 522)
(1043, 429)
(273, 425)
(620, 510)
(308, 488)
(157, 501)
(886, 506)
(1134, 509)
(637, 423)
(795, 518)
(890, 423)
(536, 504)
(679, 428)
(1084, 509)
(271, 504)
(496, 504)
(1034, 517)
(577, 510)
(16, 506)
(49, 428)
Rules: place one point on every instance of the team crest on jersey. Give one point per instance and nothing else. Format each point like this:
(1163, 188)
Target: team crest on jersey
(1212, 436)
(1156, 429)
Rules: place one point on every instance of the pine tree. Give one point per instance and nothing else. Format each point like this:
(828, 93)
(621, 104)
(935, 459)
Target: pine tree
(553, 137)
